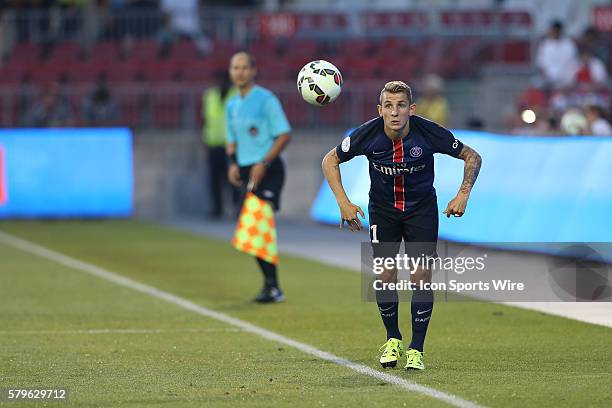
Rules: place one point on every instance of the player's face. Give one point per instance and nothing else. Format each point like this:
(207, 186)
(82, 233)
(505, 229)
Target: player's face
(395, 110)
(242, 73)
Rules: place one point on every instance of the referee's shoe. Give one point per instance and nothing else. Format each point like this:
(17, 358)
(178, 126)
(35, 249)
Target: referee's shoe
(270, 294)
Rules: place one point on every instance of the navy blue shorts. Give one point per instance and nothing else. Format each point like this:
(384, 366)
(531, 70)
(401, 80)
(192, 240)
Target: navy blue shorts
(418, 228)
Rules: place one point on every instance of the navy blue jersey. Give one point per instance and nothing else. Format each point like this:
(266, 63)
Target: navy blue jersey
(401, 171)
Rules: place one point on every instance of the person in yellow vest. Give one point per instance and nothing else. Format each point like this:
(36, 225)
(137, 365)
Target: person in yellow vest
(433, 105)
(214, 137)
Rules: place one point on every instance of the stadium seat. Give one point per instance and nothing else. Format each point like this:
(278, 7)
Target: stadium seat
(222, 52)
(265, 49)
(516, 52)
(67, 51)
(160, 71)
(145, 50)
(184, 50)
(25, 52)
(274, 70)
(375, 21)
(355, 47)
(360, 68)
(11, 77)
(129, 108)
(124, 71)
(166, 109)
(516, 19)
(107, 50)
(198, 71)
(332, 23)
(49, 71)
(307, 49)
(297, 111)
(332, 115)
(87, 71)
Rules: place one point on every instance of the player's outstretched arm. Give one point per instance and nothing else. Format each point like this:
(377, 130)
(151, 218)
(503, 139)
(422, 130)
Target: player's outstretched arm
(348, 210)
(473, 161)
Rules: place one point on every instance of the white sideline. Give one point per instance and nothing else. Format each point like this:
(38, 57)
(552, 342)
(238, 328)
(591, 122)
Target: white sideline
(91, 269)
(119, 331)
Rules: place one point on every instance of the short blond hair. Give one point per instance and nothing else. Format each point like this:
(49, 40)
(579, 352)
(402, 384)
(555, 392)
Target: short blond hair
(395, 87)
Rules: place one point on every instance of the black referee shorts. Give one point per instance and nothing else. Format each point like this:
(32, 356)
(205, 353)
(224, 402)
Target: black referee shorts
(271, 185)
(417, 227)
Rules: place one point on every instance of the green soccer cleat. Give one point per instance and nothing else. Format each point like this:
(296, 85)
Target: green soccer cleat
(415, 360)
(393, 350)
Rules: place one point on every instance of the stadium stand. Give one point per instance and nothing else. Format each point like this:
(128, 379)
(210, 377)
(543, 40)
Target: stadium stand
(128, 51)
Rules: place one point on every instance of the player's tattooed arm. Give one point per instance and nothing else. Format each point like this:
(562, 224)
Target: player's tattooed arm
(456, 207)
(473, 161)
(348, 210)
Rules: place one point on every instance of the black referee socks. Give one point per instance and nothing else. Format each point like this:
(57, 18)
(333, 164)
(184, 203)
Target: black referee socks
(269, 272)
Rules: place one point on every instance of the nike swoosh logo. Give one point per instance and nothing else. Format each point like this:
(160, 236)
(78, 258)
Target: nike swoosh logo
(378, 152)
(384, 310)
(420, 312)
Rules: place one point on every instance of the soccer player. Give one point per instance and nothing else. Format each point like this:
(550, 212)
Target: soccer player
(257, 133)
(400, 147)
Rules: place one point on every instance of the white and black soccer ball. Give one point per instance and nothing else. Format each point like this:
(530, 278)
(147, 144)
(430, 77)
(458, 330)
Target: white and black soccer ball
(319, 82)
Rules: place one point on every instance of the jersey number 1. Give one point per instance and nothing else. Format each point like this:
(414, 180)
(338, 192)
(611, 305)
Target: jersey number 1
(373, 234)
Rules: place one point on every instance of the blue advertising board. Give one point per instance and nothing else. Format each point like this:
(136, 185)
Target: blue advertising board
(530, 189)
(66, 173)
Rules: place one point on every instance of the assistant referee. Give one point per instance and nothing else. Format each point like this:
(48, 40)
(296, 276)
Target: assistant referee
(257, 133)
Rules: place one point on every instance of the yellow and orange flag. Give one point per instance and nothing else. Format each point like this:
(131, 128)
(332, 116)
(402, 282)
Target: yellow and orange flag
(256, 230)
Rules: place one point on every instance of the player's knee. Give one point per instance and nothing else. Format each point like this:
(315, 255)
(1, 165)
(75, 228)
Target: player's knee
(420, 274)
(388, 275)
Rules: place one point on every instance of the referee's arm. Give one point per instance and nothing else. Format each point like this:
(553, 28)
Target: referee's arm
(258, 170)
(233, 172)
(277, 148)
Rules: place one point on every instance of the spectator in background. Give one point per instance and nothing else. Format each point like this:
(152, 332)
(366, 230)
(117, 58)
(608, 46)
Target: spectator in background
(72, 15)
(433, 105)
(27, 95)
(591, 40)
(50, 111)
(99, 108)
(555, 57)
(214, 137)
(598, 125)
(590, 71)
(133, 18)
(182, 20)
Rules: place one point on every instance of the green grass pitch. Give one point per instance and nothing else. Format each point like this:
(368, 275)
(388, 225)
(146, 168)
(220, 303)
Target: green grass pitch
(147, 352)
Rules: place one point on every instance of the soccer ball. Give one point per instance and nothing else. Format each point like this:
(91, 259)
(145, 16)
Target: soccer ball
(319, 82)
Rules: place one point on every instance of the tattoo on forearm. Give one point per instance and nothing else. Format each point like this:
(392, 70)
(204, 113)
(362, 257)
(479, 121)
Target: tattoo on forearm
(471, 169)
(334, 155)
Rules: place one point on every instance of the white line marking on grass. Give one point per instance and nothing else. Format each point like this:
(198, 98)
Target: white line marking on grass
(122, 331)
(91, 269)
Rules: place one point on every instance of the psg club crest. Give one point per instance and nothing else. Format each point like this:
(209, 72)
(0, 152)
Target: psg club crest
(346, 144)
(416, 151)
